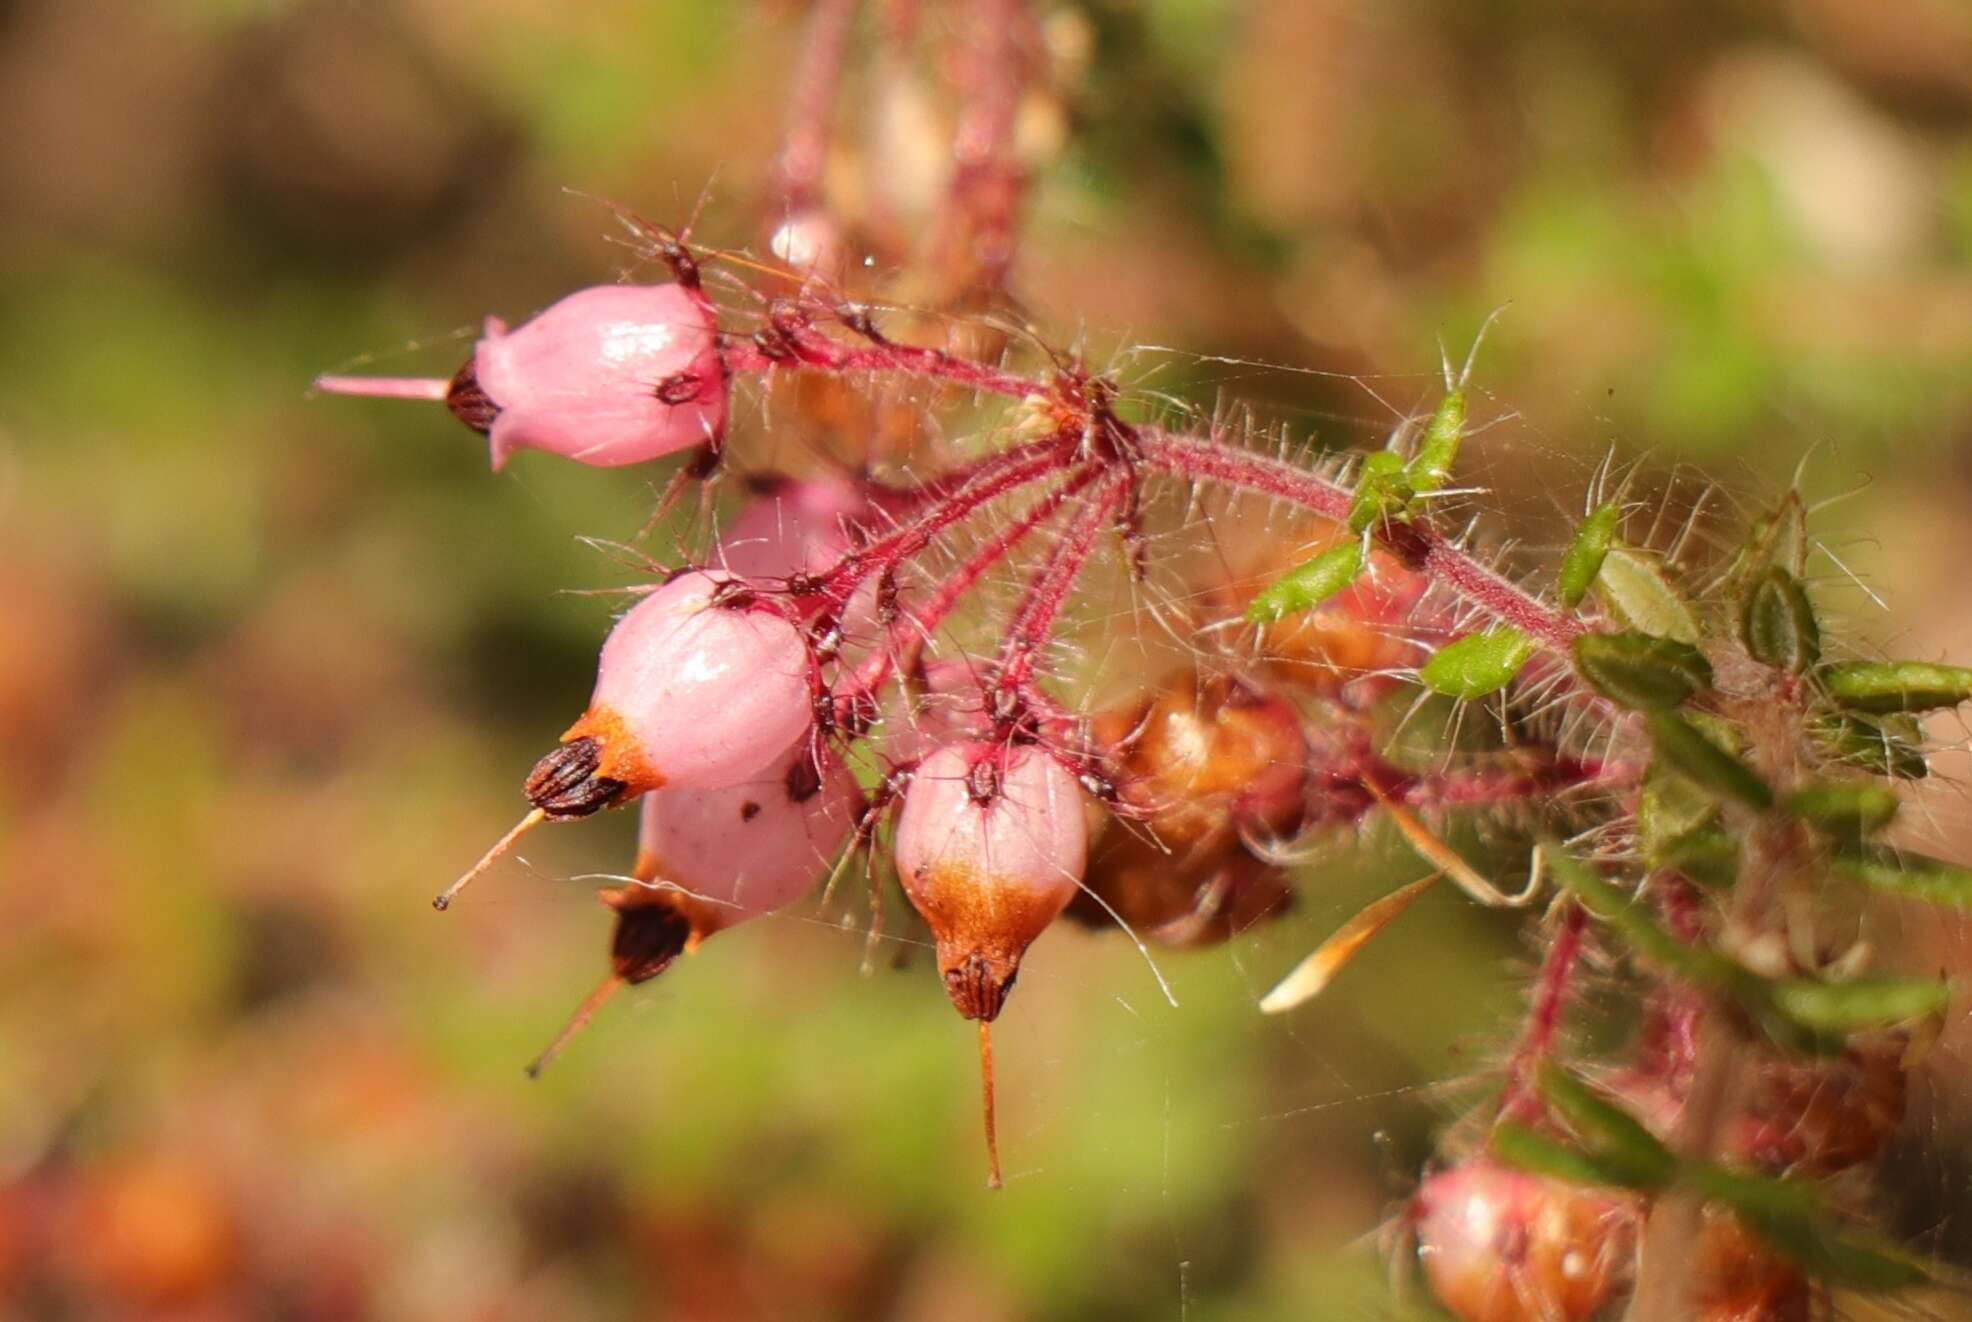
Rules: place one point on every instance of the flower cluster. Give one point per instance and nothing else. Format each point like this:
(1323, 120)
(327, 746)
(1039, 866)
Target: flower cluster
(1699, 782)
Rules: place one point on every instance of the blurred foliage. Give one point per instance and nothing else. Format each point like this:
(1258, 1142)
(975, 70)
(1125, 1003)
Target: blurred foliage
(269, 664)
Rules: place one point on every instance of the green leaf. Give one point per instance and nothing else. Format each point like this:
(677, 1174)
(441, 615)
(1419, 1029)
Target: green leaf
(1627, 918)
(1893, 686)
(1382, 492)
(1860, 1003)
(1309, 584)
(1847, 809)
(1637, 591)
(1709, 857)
(1641, 671)
(1780, 536)
(1534, 1152)
(1887, 745)
(1479, 663)
(1777, 622)
(1790, 1215)
(1913, 876)
(1583, 561)
(1439, 448)
(1670, 809)
(1616, 1140)
(1693, 755)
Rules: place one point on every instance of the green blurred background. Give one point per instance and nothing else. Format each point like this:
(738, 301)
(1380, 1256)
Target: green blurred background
(271, 665)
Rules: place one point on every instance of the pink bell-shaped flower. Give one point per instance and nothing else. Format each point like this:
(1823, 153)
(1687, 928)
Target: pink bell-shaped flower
(610, 375)
(722, 856)
(702, 685)
(990, 847)
(709, 859)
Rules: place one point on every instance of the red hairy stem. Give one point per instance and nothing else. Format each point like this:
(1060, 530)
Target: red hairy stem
(996, 476)
(1522, 1102)
(1191, 457)
(945, 483)
(1441, 559)
(811, 105)
(812, 351)
(1482, 787)
(909, 635)
(1033, 622)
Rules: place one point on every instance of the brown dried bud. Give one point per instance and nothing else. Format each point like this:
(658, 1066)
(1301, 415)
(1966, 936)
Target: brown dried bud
(978, 986)
(564, 784)
(470, 404)
(647, 938)
(1823, 1116)
(1201, 761)
(1187, 900)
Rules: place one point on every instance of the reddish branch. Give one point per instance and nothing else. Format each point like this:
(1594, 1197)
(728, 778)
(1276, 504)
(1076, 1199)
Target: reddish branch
(811, 106)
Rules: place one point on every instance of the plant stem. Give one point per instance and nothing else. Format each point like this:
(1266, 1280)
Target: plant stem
(1522, 1101)
(811, 106)
(1033, 622)
(908, 635)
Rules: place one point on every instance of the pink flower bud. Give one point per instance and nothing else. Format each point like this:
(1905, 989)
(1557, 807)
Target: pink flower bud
(702, 684)
(735, 853)
(1499, 1245)
(990, 847)
(610, 375)
(711, 858)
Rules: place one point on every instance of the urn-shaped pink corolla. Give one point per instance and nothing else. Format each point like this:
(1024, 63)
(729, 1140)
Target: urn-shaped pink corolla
(721, 856)
(703, 684)
(990, 847)
(611, 375)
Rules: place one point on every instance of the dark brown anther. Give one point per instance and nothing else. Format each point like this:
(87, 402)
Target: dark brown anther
(857, 318)
(469, 404)
(679, 388)
(1098, 786)
(787, 320)
(886, 599)
(856, 716)
(1006, 705)
(773, 344)
(804, 780)
(564, 784)
(647, 938)
(704, 462)
(729, 594)
(983, 781)
(976, 990)
(684, 266)
(749, 810)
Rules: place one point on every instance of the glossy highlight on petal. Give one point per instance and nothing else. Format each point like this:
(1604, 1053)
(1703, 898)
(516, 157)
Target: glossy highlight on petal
(610, 375)
(693, 691)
